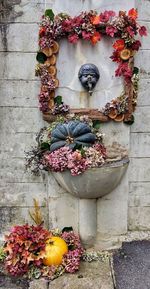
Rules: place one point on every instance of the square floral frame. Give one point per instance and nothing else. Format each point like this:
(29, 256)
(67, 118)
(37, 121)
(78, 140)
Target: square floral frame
(90, 26)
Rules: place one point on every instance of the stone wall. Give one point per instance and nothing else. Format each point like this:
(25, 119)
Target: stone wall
(127, 207)
(139, 190)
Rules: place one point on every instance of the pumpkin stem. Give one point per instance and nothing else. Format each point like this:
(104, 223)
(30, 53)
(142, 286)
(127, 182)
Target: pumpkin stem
(69, 140)
(51, 242)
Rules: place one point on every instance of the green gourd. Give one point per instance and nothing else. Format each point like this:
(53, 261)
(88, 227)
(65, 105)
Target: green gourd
(71, 134)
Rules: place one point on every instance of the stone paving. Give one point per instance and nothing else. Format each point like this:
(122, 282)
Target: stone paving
(96, 275)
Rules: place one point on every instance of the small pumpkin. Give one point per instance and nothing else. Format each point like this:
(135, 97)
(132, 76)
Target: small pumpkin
(55, 248)
(71, 134)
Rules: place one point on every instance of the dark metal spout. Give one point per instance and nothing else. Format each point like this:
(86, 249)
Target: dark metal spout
(89, 75)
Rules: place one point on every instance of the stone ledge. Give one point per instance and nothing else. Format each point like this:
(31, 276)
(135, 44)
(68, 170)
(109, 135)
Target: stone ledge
(96, 275)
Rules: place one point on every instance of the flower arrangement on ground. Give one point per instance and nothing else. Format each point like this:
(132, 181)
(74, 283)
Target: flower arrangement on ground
(35, 252)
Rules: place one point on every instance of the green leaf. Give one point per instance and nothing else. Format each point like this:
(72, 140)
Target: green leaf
(96, 124)
(82, 152)
(45, 146)
(130, 121)
(50, 14)
(135, 70)
(41, 57)
(58, 99)
(67, 229)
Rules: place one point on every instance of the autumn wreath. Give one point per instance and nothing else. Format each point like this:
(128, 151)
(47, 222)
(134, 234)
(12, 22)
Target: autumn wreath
(90, 26)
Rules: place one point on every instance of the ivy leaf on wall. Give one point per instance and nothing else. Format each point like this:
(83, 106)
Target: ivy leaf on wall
(130, 121)
(41, 57)
(96, 124)
(67, 229)
(50, 14)
(135, 70)
(58, 99)
(45, 146)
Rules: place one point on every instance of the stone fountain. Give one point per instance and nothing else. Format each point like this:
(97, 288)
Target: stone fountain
(95, 182)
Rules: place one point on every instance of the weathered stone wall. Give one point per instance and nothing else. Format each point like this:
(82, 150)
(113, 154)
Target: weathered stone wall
(128, 207)
(139, 177)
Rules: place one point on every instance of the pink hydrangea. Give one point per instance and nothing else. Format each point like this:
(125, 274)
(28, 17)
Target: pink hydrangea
(73, 38)
(105, 17)
(71, 261)
(76, 163)
(58, 160)
(86, 35)
(110, 30)
(73, 241)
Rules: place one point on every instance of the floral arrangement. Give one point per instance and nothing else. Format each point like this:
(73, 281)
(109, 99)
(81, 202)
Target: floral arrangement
(77, 159)
(67, 155)
(24, 250)
(90, 26)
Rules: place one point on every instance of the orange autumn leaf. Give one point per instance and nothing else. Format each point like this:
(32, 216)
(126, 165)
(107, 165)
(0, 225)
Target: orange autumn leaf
(119, 44)
(8, 249)
(95, 20)
(133, 13)
(95, 38)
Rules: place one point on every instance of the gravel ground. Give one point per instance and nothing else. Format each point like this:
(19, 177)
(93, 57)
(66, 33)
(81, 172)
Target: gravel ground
(131, 265)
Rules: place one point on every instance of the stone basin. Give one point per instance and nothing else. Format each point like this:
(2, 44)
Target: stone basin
(94, 182)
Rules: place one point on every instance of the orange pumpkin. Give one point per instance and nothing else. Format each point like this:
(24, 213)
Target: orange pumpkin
(55, 248)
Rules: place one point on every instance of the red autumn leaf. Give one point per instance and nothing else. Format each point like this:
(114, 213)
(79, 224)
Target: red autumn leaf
(95, 38)
(95, 20)
(23, 246)
(119, 44)
(133, 13)
(42, 31)
(143, 31)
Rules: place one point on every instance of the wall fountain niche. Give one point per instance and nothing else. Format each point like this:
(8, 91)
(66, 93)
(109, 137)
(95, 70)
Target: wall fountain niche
(88, 85)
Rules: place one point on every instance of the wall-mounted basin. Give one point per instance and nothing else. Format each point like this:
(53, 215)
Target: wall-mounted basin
(89, 186)
(95, 182)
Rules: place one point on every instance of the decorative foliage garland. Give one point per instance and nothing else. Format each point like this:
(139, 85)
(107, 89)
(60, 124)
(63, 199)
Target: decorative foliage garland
(90, 26)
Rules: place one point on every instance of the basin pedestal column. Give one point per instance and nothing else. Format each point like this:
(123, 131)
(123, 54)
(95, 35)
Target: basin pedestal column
(88, 221)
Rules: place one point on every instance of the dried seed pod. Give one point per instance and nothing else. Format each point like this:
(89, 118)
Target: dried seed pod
(113, 113)
(125, 54)
(56, 82)
(51, 60)
(119, 118)
(52, 94)
(55, 47)
(44, 88)
(47, 51)
(52, 70)
(51, 103)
